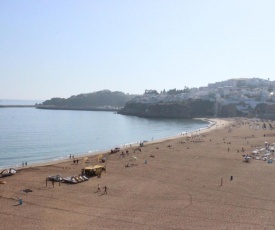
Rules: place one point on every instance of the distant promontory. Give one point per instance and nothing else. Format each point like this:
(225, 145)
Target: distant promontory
(104, 100)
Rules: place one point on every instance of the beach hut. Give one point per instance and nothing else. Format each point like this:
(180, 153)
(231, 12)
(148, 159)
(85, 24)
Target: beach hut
(95, 170)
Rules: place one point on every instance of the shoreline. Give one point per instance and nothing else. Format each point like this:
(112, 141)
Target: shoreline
(211, 126)
(199, 181)
(77, 109)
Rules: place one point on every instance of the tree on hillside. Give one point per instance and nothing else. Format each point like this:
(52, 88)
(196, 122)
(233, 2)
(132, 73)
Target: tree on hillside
(178, 91)
(100, 98)
(151, 91)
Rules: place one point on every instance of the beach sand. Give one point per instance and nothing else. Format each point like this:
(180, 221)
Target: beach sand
(186, 185)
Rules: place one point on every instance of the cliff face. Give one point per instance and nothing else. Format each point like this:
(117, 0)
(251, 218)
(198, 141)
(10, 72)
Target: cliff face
(228, 111)
(265, 111)
(186, 109)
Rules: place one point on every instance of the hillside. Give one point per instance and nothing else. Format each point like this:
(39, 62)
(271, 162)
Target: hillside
(101, 100)
(184, 109)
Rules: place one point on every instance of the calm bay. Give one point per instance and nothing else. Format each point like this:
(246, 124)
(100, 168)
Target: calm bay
(36, 136)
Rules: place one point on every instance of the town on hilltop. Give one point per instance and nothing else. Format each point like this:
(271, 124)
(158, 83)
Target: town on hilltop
(234, 97)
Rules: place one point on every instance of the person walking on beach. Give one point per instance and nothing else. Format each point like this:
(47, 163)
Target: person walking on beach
(26, 163)
(105, 189)
(98, 188)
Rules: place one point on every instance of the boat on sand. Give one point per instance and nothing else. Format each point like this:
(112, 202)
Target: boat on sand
(8, 172)
(57, 178)
(70, 180)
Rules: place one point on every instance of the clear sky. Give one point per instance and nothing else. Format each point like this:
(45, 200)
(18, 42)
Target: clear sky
(63, 48)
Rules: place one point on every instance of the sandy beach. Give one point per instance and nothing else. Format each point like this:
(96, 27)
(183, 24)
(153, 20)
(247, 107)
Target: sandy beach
(197, 181)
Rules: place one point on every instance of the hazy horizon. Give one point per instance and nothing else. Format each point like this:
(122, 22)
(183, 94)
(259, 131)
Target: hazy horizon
(15, 99)
(64, 48)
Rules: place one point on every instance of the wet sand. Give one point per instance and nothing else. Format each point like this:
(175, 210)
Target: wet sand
(179, 188)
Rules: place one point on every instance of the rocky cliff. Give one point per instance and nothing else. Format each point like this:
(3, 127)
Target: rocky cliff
(185, 109)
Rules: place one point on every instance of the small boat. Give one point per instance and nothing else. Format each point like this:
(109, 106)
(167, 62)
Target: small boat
(8, 172)
(82, 178)
(57, 178)
(70, 180)
(78, 179)
(85, 177)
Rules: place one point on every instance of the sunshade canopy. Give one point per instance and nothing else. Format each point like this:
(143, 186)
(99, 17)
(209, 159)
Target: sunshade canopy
(94, 167)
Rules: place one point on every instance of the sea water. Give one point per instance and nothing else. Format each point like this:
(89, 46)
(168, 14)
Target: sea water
(19, 102)
(37, 135)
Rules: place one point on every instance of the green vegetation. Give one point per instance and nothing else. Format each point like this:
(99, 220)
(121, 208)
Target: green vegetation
(104, 98)
(184, 109)
(178, 91)
(169, 92)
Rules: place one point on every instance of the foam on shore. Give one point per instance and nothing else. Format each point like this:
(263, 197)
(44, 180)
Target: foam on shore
(214, 124)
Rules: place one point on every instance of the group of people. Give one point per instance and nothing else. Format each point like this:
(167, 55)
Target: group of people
(99, 189)
(24, 164)
(75, 161)
(123, 154)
